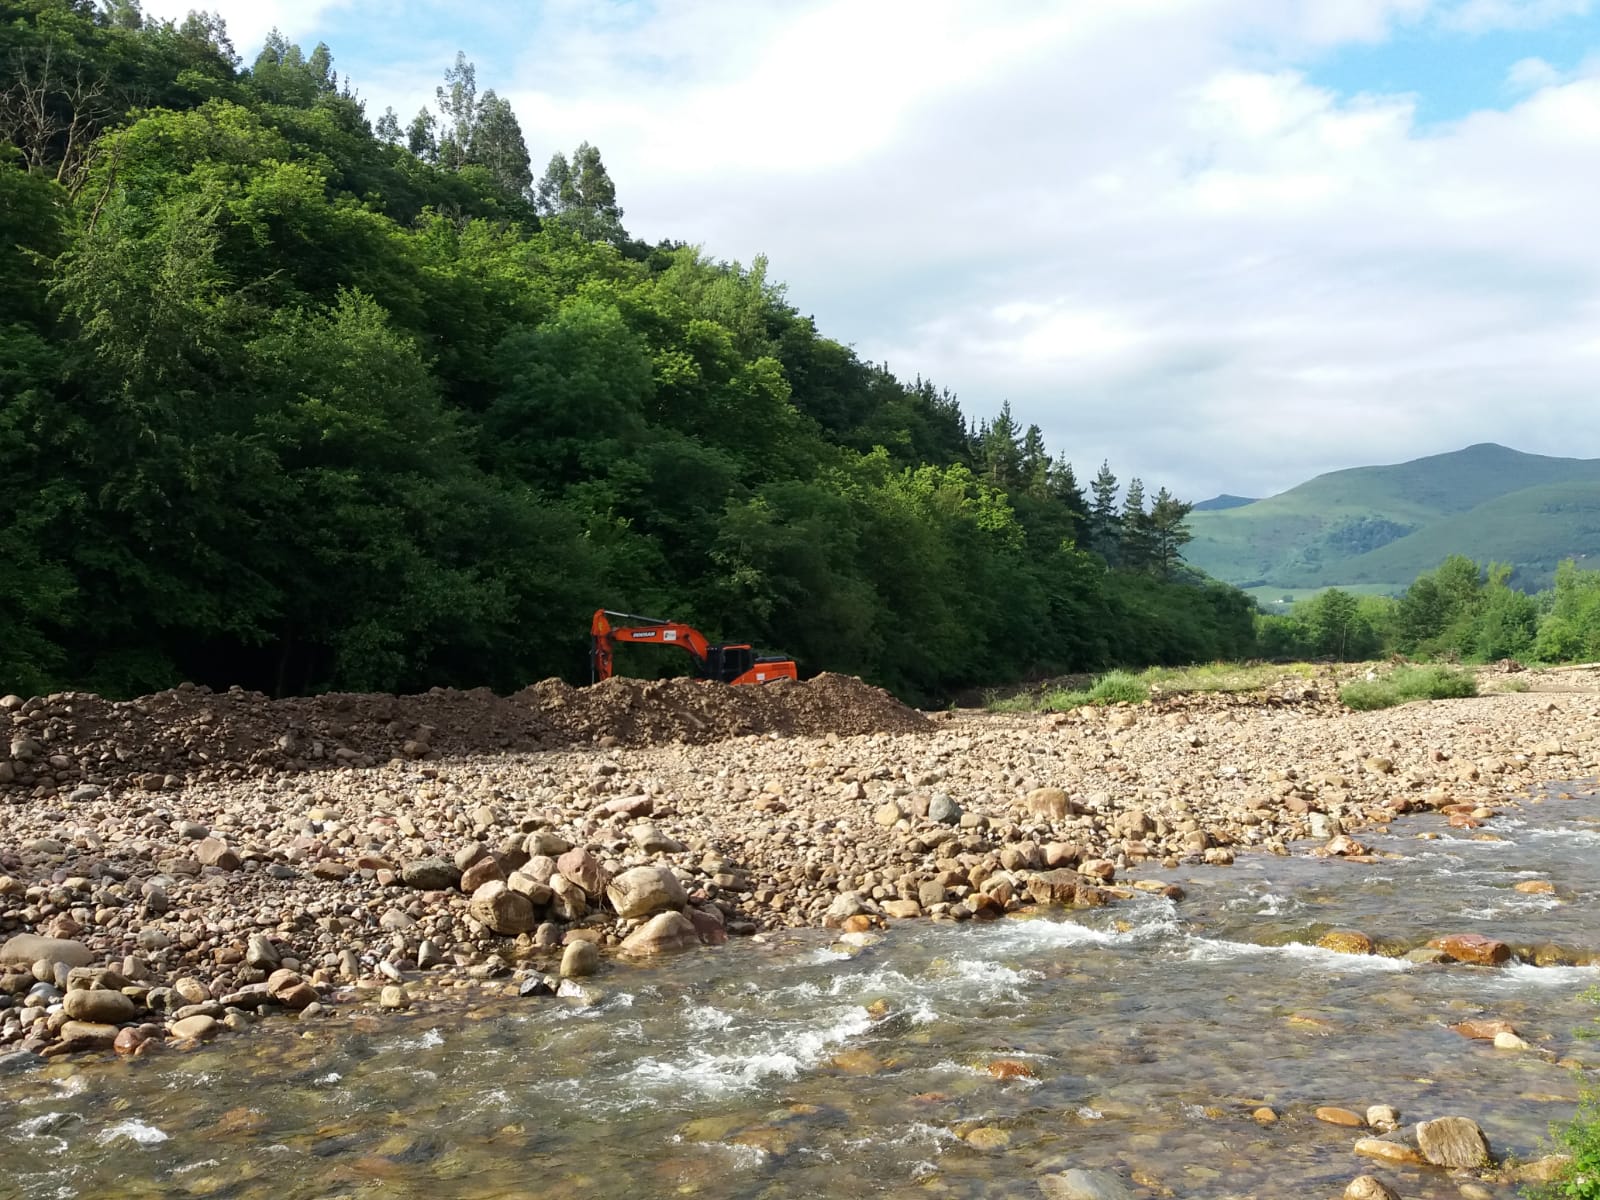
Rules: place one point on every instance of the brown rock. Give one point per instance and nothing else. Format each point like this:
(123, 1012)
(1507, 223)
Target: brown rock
(1454, 1142)
(585, 870)
(1483, 1029)
(1473, 948)
(644, 891)
(1048, 803)
(1010, 1068)
(1346, 941)
(1340, 1116)
(502, 910)
(1369, 1187)
(1058, 887)
(98, 1006)
(199, 1028)
(25, 949)
(88, 1035)
(214, 852)
(905, 910)
(663, 933)
(1536, 887)
(1387, 1150)
(486, 870)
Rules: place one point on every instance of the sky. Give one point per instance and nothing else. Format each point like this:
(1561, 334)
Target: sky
(1225, 245)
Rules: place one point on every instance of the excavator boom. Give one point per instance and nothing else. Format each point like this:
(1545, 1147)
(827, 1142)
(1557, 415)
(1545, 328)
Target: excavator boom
(730, 663)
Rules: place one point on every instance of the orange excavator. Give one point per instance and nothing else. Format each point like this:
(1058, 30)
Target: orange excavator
(734, 662)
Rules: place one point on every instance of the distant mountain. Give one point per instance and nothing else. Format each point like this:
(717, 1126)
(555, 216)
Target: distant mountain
(1382, 526)
(1224, 501)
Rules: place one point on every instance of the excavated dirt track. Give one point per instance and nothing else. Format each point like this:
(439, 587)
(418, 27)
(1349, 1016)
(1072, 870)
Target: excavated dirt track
(191, 734)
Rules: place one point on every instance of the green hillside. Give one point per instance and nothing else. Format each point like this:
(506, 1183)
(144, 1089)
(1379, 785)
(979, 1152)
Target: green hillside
(1382, 525)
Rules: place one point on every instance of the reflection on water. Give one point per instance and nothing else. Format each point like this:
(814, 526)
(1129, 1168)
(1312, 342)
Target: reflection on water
(941, 1061)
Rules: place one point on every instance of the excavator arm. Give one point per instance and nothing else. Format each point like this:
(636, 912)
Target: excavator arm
(605, 637)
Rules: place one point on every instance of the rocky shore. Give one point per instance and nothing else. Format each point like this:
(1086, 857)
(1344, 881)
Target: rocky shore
(178, 866)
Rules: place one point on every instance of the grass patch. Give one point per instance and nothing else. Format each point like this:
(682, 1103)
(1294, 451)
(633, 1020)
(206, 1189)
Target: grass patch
(1114, 687)
(1408, 684)
(1224, 676)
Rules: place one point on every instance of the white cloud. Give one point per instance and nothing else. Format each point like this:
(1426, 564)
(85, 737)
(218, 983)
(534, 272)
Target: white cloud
(249, 21)
(1141, 222)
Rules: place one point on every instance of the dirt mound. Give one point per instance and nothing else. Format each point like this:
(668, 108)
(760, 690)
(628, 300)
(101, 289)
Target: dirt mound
(192, 734)
(638, 712)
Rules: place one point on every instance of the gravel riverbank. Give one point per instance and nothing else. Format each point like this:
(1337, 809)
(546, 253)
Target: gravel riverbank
(197, 859)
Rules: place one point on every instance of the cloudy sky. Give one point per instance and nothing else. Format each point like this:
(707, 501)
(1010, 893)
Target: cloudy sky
(1225, 244)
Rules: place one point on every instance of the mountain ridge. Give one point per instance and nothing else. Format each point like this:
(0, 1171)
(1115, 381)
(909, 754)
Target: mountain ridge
(1383, 525)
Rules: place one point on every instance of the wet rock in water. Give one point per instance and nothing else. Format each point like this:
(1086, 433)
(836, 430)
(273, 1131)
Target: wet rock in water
(1427, 956)
(1536, 887)
(663, 933)
(579, 959)
(1393, 1149)
(644, 891)
(1506, 1040)
(1454, 1142)
(395, 997)
(1084, 1185)
(536, 985)
(1383, 1117)
(1473, 948)
(1054, 887)
(1346, 941)
(98, 1005)
(988, 1137)
(1483, 1029)
(25, 949)
(199, 1028)
(502, 910)
(1369, 1187)
(1544, 1170)
(430, 874)
(1339, 1116)
(88, 1035)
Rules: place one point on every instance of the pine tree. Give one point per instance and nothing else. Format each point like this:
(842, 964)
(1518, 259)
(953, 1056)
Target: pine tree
(1001, 449)
(421, 138)
(1064, 490)
(1135, 542)
(1104, 523)
(1035, 473)
(1169, 533)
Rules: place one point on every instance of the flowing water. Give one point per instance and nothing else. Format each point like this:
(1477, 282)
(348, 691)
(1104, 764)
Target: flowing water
(794, 1068)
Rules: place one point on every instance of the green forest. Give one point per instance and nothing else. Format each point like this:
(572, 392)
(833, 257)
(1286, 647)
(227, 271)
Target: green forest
(300, 397)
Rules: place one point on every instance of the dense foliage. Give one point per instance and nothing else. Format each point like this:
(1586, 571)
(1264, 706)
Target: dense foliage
(1462, 611)
(298, 400)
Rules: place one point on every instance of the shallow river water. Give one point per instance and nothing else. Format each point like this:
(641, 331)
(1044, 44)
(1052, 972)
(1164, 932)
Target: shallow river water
(791, 1068)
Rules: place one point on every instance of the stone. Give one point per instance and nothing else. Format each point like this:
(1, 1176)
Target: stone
(486, 870)
(1369, 1187)
(645, 891)
(214, 852)
(580, 958)
(1473, 948)
(1383, 1117)
(99, 1005)
(536, 890)
(709, 924)
(1084, 1185)
(585, 870)
(1339, 1116)
(1346, 941)
(931, 892)
(87, 1035)
(889, 815)
(543, 843)
(25, 949)
(502, 910)
(988, 1137)
(1058, 887)
(663, 933)
(943, 809)
(650, 840)
(430, 874)
(1387, 1150)
(1454, 1142)
(191, 990)
(1483, 1029)
(904, 910)
(1506, 1040)
(1536, 887)
(199, 1028)
(261, 953)
(394, 997)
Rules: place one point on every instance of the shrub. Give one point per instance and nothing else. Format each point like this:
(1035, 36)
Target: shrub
(1408, 684)
(1118, 687)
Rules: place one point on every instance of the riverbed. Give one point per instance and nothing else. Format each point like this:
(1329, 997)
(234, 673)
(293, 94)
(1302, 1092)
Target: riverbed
(941, 1059)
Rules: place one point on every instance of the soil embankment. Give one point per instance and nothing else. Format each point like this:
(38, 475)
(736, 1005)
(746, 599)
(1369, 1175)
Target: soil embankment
(212, 855)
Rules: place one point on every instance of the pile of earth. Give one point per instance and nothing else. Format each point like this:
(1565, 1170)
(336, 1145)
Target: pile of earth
(637, 712)
(191, 734)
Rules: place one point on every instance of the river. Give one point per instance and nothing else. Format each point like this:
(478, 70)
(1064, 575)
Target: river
(940, 1061)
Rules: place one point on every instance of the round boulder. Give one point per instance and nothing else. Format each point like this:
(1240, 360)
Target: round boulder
(644, 891)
